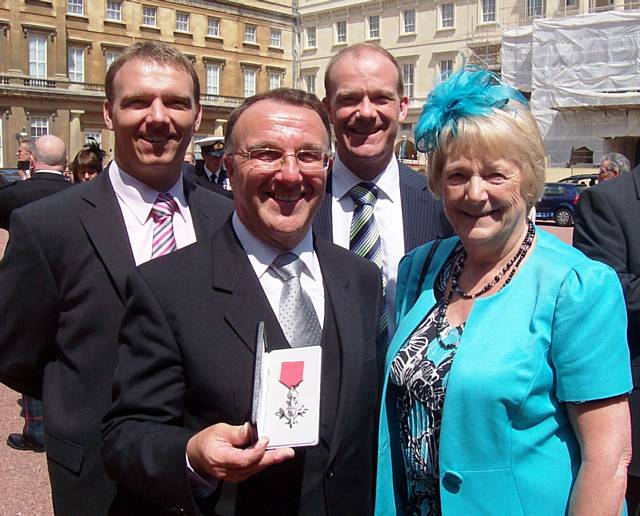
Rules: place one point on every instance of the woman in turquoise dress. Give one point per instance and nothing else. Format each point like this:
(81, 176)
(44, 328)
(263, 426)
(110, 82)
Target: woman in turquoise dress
(506, 381)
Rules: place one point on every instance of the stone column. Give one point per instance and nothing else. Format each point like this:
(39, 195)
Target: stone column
(76, 138)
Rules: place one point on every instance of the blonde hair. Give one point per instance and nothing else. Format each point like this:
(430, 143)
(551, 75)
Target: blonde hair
(508, 133)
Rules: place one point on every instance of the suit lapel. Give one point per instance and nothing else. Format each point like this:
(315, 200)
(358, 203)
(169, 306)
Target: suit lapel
(203, 210)
(340, 296)
(414, 210)
(248, 304)
(104, 225)
(322, 223)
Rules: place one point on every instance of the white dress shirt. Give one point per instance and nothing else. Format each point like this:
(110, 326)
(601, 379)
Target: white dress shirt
(261, 256)
(136, 200)
(387, 212)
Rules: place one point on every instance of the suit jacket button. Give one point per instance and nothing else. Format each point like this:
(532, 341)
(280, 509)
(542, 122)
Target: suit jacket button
(452, 480)
(330, 474)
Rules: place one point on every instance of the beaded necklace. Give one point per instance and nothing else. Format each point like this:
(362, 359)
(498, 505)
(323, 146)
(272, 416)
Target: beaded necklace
(458, 265)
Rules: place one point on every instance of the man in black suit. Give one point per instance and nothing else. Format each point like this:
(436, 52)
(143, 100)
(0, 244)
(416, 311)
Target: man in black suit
(63, 275)
(185, 371)
(209, 171)
(606, 229)
(48, 158)
(366, 104)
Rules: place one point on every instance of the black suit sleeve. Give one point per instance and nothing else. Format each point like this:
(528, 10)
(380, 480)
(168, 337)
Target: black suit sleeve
(145, 443)
(28, 304)
(599, 233)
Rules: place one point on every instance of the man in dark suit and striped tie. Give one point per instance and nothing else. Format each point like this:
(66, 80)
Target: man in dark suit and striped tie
(375, 206)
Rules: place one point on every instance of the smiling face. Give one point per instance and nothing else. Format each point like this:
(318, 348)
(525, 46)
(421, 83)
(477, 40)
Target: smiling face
(366, 110)
(483, 201)
(153, 115)
(276, 206)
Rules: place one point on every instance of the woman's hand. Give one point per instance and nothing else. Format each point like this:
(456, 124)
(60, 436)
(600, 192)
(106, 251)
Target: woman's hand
(603, 429)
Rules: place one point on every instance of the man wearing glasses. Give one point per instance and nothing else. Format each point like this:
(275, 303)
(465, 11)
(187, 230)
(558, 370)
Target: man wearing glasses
(177, 433)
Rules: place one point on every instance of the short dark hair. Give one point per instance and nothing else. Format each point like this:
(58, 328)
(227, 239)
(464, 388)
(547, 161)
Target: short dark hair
(155, 52)
(281, 95)
(357, 49)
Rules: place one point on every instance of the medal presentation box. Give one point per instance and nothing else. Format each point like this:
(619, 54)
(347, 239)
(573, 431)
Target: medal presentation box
(287, 396)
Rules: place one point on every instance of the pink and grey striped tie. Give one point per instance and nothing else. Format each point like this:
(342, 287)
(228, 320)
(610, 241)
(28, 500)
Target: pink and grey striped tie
(164, 241)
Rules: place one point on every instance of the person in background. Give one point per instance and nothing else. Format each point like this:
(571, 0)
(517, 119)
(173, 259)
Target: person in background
(606, 229)
(48, 156)
(88, 162)
(612, 165)
(23, 156)
(189, 158)
(506, 383)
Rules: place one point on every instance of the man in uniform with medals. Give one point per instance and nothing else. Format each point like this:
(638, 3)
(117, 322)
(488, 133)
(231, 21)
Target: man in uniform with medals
(263, 307)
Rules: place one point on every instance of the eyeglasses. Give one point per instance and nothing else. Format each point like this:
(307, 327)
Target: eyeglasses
(308, 160)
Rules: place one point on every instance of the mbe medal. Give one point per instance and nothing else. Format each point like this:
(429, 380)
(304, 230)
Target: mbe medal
(291, 374)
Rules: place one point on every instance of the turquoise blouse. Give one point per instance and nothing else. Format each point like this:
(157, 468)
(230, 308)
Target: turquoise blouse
(556, 333)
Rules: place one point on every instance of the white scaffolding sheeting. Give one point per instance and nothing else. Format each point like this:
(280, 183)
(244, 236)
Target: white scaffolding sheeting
(516, 57)
(585, 79)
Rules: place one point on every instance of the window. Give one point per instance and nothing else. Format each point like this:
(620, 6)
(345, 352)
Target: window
(110, 56)
(446, 16)
(93, 135)
(571, 3)
(249, 77)
(341, 32)
(149, 15)
(213, 27)
(182, 21)
(250, 34)
(213, 79)
(275, 80)
(600, 5)
(406, 127)
(75, 64)
(39, 126)
(114, 10)
(534, 7)
(310, 83)
(489, 10)
(37, 55)
(75, 7)
(409, 21)
(275, 39)
(446, 69)
(311, 37)
(407, 78)
(374, 27)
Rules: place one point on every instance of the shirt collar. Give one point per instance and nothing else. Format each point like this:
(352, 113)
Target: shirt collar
(48, 171)
(140, 197)
(261, 254)
(209, 173)
(387, 181)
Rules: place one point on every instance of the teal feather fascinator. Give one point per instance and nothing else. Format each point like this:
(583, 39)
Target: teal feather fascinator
(465, 94)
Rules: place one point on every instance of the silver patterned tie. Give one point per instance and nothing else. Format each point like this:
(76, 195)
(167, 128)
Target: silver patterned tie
(297, 317)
